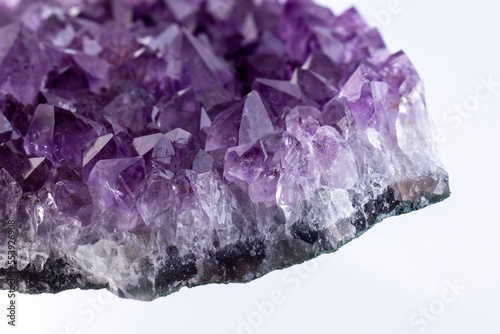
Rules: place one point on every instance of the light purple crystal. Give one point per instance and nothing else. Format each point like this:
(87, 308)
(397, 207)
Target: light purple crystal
(147, 145)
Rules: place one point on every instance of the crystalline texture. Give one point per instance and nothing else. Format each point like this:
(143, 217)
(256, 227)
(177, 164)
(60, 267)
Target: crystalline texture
(151, 145)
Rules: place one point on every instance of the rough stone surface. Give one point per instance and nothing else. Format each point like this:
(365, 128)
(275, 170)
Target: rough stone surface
(147, 145)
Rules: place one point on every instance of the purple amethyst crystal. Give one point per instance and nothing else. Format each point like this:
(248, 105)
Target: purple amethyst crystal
(148, 145)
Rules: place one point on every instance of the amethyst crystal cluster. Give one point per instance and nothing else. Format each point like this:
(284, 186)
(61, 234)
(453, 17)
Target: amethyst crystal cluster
(147, 145)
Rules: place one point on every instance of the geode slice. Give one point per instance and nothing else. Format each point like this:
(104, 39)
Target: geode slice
(148, 145)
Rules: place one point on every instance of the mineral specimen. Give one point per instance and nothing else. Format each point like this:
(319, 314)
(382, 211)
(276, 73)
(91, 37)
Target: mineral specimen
(147, 145)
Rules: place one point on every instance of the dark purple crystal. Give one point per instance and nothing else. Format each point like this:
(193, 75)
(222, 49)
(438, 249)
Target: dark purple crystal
(147, 145)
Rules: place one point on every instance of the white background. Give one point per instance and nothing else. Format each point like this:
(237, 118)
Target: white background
(386, 281)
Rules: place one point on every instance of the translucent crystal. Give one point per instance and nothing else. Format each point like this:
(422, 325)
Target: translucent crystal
(153, 144)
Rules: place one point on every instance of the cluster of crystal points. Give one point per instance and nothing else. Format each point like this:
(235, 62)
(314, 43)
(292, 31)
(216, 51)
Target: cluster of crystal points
(147, 145)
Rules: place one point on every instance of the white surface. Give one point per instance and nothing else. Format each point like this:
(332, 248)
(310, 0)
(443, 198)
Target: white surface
(380, 282)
